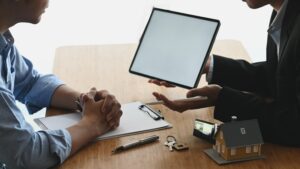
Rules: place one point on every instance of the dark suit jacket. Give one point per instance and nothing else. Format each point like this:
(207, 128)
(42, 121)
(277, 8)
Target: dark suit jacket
(279, 81)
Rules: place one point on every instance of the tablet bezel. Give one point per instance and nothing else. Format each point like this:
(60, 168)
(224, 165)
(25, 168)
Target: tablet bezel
(205, 58)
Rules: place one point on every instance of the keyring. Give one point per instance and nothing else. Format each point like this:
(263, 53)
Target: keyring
(170, 139)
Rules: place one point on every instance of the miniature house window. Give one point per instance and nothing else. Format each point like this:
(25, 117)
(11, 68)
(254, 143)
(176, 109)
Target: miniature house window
(232, 151)
(248, 149)
(243, 131)
(223, 148)
(255, 148)
(221, 135)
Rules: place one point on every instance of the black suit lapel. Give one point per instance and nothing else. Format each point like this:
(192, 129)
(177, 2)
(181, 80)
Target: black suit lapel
(271, 47)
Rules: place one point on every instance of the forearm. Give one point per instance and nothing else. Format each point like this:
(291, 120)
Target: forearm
(81, 134)
(92, 124)
(36, 150)
(240, 75)
(64, 97)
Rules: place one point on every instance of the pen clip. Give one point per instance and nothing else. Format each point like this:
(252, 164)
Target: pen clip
(154, 114)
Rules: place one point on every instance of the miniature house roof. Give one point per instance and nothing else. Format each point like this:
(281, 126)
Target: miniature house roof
(241, 133)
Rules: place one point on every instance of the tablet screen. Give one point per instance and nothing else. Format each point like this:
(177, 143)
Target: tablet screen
(174, 47)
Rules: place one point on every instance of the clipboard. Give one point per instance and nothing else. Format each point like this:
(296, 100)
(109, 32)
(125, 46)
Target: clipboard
(133, 121)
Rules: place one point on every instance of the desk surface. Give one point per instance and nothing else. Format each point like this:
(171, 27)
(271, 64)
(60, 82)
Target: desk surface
(106, 67)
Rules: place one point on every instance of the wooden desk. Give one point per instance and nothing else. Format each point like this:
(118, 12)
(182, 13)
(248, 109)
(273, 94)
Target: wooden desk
(106, 67)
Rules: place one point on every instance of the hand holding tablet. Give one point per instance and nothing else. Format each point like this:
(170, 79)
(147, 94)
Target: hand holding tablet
(174, 48)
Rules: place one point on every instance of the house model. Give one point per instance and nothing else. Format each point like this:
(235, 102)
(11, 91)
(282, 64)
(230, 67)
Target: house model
(237, 141)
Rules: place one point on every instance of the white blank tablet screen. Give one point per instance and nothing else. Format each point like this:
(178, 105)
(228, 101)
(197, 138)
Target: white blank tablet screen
(174, 47)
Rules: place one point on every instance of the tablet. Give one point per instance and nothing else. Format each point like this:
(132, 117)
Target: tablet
(174, 47)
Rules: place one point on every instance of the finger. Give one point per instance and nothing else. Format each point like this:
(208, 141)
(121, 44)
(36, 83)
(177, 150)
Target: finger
(111, 123)
(166, 101)
(178, 106)
(154, 81)
(113, 113)
(114, 122)
(156, 95)
(115, 118)
(92, 93)
(167, 84)
(119, 119)
(119, 115)
(108, 128)
(101, 95)
(86, 100)
(110, 102)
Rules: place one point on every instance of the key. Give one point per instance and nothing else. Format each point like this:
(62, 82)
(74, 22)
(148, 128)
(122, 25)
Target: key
(170, 145)
(180, 146)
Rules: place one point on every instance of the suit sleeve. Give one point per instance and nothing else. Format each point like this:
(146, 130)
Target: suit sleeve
(241, 75)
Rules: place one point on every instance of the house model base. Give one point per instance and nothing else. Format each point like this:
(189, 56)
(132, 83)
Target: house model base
(213, 154)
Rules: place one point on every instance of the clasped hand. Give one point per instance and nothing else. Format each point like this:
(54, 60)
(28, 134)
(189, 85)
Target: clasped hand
(102, 109)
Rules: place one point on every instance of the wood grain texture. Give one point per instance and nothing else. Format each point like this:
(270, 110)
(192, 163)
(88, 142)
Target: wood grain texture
(106, 67)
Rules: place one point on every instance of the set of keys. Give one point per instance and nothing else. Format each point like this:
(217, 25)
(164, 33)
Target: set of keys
(172, 143)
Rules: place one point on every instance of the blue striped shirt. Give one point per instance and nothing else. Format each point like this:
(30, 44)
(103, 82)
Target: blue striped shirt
(20, 146)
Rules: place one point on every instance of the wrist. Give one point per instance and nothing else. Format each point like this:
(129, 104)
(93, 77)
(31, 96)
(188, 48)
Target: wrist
(209, 72)
(65, 97)
(91, 127)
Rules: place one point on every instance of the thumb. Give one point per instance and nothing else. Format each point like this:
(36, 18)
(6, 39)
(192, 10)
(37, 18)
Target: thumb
(92, 93)
(88, 97)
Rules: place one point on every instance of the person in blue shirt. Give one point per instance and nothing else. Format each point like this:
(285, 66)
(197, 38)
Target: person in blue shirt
(20, 146)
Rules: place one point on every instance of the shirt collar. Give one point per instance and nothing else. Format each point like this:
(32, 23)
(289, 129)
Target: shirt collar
(277, 22)
(6, 39)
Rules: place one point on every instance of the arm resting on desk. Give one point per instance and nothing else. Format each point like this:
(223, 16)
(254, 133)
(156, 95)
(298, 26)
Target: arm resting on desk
(95, 121)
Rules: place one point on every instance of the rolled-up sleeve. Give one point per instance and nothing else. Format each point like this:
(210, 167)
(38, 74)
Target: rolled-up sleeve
(30, 87)
(21, 147)
(40, 93)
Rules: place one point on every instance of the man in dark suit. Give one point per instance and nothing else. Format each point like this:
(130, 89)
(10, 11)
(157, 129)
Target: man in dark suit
(268, 91)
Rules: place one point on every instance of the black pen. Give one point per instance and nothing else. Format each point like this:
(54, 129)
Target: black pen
(136, 143)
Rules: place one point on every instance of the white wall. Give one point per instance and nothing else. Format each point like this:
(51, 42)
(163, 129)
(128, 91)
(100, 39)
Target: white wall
(75, 22)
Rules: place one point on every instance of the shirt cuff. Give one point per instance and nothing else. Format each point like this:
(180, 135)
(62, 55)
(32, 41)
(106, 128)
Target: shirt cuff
(210, 70)
(60, 142)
